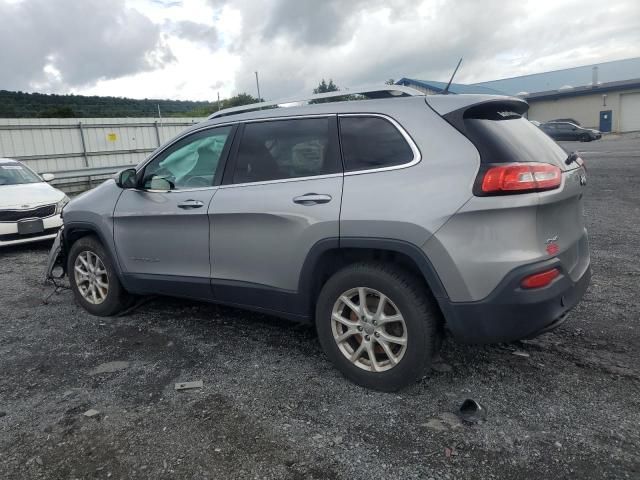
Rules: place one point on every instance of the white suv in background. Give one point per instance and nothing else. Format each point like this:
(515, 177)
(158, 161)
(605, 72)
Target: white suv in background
(29, 207)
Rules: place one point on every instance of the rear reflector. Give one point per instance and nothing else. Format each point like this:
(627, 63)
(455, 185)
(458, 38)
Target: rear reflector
(521, 178)
(539, 280)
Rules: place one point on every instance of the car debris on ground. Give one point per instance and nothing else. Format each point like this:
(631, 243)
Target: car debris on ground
(189, 385)
(472, 412)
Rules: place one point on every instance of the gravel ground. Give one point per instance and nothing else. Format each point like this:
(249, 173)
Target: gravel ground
(273, 407)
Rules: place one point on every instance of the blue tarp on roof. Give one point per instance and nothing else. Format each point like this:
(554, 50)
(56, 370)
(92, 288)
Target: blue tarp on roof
(615, 71)
(454, 88)
(607, 72)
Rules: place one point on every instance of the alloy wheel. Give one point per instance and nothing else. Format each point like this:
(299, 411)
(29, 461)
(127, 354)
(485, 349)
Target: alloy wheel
(91, 277)
(369, 329)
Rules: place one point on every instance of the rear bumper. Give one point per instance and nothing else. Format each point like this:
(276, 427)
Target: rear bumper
(512, 313)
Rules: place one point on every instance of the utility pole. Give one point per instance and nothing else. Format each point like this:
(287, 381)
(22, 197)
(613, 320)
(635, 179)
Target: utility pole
(158, 128)
(218, 101)
(258, 85)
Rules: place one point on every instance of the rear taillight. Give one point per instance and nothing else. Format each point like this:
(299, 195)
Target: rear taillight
(519, 178)
(539, 280)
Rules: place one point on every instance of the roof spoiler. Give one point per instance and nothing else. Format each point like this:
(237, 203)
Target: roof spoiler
(444, 104)
(477, 106)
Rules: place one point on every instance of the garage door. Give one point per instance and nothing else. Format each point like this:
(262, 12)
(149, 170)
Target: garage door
(630, 112)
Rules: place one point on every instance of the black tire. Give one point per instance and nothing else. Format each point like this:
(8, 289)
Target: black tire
(117, 298)
(585, 138)
(417, 307)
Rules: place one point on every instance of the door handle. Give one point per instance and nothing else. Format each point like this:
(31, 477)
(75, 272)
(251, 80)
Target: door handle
(312, 199)
(189, 204)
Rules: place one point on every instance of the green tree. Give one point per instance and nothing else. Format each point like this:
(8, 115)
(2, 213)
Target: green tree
(30, 105)
(62, 111)
(235, 101)
(240, 99)
(324, 87)
(391, 81)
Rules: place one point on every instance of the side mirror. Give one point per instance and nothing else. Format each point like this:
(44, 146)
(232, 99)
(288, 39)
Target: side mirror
(128, 178)
(47, 177)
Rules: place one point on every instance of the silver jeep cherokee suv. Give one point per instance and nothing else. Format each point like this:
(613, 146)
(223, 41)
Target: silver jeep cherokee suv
(384, 221)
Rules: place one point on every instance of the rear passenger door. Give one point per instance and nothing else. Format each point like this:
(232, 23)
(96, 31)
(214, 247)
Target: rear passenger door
(377, 199)
(280, 195)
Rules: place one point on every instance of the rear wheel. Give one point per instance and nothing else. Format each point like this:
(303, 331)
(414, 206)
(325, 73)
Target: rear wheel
(377, 325)
(93, 279)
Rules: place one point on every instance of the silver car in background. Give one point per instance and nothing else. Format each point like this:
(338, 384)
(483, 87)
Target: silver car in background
(383, 221)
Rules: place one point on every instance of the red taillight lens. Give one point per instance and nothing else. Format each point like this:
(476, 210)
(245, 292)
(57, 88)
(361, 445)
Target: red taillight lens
(539, 280)
(521, 177)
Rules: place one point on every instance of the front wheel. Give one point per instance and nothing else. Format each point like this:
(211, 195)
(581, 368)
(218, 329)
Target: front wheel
(377, 325)
(585, 138)
(93, 278)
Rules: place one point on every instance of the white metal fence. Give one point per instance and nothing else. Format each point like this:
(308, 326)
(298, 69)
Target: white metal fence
(81, 150)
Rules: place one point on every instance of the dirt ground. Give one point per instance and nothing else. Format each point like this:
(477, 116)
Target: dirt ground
(273, 407)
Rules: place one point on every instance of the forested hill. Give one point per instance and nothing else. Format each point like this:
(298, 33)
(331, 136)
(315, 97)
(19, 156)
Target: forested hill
(30, 105)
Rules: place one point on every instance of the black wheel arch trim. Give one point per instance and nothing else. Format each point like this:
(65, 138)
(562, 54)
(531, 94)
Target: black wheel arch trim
(412, 251)
(91, 227)
(310, 266)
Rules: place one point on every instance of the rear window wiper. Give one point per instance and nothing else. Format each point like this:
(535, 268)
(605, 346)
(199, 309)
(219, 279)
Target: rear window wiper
(575, 157)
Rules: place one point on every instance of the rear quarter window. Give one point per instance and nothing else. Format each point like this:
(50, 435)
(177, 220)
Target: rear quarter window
(512, 139)
(372, 142)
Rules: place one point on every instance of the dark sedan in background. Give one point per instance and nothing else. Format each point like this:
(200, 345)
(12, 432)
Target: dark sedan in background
(569, 131)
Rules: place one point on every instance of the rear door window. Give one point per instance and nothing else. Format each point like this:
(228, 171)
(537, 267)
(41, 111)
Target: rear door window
(283, 149)
(372, 142)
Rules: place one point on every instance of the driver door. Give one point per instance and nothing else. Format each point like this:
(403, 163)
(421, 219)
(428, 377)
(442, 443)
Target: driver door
(161, 228)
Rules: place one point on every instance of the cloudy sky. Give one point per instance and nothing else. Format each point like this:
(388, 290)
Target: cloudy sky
(193, 49)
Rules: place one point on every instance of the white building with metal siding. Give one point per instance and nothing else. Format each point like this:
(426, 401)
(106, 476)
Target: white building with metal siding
(605, 96)
(617, 103)
(630, 111)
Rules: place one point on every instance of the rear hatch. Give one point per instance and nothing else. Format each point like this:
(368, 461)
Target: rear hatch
(504, 137)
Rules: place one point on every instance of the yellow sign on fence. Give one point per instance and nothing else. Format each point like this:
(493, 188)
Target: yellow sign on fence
(112, 137)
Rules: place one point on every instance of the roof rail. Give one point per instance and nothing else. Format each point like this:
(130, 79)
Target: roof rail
(382, 91)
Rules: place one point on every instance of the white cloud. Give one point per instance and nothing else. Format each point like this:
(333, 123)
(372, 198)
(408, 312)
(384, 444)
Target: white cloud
(205, 65)
(191, 49)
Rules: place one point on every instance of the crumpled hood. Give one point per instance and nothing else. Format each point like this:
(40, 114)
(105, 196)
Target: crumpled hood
(28, 195)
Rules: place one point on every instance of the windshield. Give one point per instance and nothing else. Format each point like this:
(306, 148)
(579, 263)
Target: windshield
(16, 174)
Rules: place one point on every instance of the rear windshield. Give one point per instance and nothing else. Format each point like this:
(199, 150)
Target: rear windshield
(512, 139)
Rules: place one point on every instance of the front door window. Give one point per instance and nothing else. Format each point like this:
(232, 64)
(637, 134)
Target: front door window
(190, 163)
